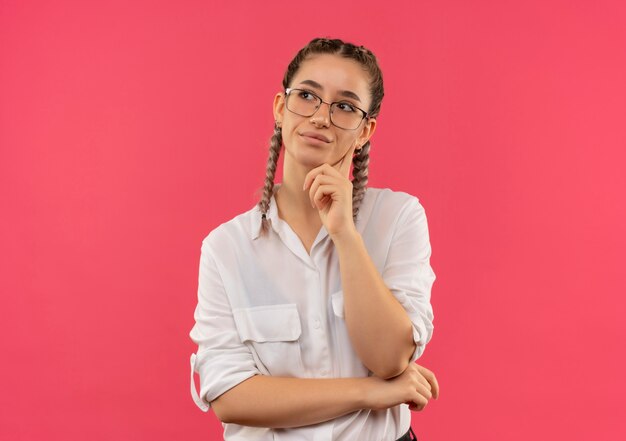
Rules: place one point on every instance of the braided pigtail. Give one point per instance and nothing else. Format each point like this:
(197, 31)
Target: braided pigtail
(276, 142)
(360, 171)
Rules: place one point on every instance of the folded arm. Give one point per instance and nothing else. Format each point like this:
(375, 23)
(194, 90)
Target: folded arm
(265, 401)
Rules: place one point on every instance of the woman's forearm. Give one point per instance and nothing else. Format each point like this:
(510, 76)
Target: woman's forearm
(379, 327)
(276, 402)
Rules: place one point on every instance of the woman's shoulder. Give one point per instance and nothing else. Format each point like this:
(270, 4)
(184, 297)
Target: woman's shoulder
(389, 199)
(232, 231)
(381, 208)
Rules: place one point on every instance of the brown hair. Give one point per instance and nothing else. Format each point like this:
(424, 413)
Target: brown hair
(361, 160)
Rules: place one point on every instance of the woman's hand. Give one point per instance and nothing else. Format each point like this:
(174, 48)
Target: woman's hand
(415, 387)
(330, 191)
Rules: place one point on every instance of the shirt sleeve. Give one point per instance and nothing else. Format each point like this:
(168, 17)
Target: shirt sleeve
(408, 274)
(222, 360)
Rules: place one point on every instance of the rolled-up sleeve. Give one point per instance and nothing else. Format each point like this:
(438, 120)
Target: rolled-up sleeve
(222, 360)
(408, 274)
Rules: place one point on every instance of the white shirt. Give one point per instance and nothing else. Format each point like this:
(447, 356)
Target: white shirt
(265, 306)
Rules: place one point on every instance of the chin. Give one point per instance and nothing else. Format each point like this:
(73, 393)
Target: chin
(308, 156)
(311, 160)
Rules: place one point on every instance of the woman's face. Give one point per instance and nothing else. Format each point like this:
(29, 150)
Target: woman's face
(327, 76)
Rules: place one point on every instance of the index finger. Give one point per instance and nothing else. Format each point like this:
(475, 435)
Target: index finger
(430, 376)
(343, 166)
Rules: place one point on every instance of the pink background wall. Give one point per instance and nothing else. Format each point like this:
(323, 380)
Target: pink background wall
(124, 141)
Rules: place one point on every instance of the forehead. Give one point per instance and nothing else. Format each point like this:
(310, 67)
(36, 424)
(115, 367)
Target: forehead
(334, 73)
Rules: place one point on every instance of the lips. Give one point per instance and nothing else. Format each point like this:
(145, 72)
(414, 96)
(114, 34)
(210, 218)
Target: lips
(316, 136)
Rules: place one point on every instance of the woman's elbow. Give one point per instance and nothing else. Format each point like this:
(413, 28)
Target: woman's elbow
(391, 372)
(220, 408)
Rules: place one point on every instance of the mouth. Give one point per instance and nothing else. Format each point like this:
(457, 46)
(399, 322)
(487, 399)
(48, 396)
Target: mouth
(313, 135)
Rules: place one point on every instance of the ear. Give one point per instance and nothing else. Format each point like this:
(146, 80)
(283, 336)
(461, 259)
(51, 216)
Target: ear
(279, 106)
(367, 131)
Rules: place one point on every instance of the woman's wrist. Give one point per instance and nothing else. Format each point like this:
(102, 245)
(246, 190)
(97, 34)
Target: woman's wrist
(368, 392)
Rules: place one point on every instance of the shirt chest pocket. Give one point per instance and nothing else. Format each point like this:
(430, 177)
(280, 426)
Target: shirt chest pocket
(272, 332)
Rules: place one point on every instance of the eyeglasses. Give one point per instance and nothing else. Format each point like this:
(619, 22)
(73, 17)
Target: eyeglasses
(343, 114)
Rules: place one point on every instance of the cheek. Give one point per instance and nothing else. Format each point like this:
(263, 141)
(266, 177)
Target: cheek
(289, 137)
(346, 143)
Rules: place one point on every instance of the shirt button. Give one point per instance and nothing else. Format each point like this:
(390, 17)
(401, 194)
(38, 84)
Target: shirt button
(316, 323)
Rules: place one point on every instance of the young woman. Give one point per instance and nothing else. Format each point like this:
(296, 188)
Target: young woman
(314, 304)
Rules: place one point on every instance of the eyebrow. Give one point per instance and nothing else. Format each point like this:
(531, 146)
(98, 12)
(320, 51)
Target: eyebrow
(345, 93)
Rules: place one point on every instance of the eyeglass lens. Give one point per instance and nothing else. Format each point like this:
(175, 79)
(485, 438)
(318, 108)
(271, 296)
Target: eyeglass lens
(342, 114)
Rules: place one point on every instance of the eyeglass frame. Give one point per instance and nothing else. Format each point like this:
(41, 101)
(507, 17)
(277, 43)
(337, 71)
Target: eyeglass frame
(288, 91)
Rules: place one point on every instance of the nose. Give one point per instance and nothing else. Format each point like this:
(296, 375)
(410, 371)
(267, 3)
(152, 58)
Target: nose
(322, 116)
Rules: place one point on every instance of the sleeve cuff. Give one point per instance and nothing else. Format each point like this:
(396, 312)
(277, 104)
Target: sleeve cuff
(194, 393)
(419, 347)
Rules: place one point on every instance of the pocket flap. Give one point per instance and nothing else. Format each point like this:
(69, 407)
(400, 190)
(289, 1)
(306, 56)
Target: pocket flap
(268, 323)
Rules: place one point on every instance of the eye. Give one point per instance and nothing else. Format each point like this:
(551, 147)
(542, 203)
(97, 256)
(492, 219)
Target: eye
(306, 95)
(346, 107)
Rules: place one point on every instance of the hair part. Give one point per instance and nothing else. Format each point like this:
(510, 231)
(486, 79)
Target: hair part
(361, 160)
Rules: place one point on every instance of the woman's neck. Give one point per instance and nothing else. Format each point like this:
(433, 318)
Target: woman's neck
(294, 204)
